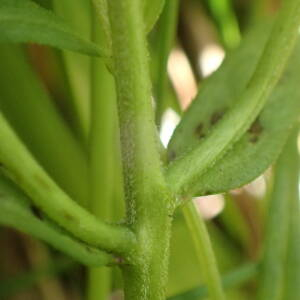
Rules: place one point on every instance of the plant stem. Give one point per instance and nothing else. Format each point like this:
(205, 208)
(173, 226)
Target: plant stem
(102, 149)
(282, 213)
(292, 271)
(224, 16)
(77, 66)
(20, 166)
(276, 234)
(15, 211)
(205, 251)
(184, 172)
(164, 43)
(147, 197)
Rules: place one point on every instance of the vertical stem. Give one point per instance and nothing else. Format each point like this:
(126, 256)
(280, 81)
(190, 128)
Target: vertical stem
(272, 277)
(292, 275)
(205, 252)
(165, 41)
(77, 66)
(102, 150)
(147, 196)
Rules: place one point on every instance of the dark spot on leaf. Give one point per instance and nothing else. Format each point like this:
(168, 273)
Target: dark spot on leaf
(255, 130)
(70, 217)
(171, 155)
(119, 260)
(90, 249)
(216, 117)
(199, 131)
(42, 182)
(36, 212)
(254, 139)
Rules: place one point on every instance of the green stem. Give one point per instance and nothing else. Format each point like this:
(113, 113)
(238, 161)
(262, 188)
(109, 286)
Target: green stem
(147, 197)
(283, 208)
(226, 20)
(271, 281)
(292, 274)
(205, 251)
(77, 66)
(102, 164)
(16, 212)
(166, 35)
(20, 166)
(184, 172)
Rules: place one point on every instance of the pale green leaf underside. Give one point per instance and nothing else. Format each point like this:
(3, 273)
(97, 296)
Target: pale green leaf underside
(24, 21)
(16, 212)
(152, 10)
(262, 143)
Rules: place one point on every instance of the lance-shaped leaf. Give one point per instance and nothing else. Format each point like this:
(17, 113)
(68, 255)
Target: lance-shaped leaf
(262, 143)
(292, 266)
(25, 21)
(152, 10)
(285, 192)
(16, 212)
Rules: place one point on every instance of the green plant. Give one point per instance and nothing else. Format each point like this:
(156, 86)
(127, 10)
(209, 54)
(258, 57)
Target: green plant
(65, 183)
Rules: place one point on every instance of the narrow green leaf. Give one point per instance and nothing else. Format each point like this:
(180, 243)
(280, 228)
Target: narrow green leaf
(76, 66)
(292, 267)
(25, 21)
(163, 43)
(16, 212)
(271, 281)
(205, 254)
(152, 10)
(262, 143)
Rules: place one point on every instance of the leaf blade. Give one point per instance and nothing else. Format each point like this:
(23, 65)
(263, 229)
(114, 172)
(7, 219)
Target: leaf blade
(24, 21)
(268, 133)
(184, 173)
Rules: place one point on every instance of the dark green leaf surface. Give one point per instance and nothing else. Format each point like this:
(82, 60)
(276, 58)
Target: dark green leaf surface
(16, 212)
(152, 10)
(25, 21)
(261, 144)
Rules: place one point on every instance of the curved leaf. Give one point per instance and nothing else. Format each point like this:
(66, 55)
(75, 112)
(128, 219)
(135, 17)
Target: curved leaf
(25, 21)
(262, 143)
(16, 212)
(152, 10)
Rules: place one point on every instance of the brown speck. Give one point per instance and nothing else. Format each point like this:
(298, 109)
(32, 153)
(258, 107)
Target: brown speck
(70, 218)
(216, 117)
(199, 131)
(171, 155)
(254, 139)
(255, 130)
(42, 181)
